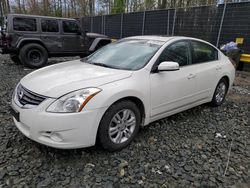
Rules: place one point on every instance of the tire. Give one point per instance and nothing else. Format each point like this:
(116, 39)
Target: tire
(220, 92)
(109, 130)
(33, 55)
(15, 58)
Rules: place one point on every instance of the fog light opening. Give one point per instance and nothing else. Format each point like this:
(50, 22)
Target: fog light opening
(52, 135)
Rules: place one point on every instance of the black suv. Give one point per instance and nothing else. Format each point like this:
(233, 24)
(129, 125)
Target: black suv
(31, 40)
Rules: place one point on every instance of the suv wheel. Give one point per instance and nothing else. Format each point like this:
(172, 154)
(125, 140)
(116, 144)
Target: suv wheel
(33, 55)
(15, 58)
(119, 125)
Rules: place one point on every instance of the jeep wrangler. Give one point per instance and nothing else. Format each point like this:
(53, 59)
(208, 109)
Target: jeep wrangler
(31, 40)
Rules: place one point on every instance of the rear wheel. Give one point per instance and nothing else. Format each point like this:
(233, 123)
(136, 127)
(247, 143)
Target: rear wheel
(15, 58)
(33, 55)
(220, 92)
(119, 125)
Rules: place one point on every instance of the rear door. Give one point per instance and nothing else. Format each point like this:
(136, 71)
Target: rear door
(50, 35)
(72, 38)
(207, 68)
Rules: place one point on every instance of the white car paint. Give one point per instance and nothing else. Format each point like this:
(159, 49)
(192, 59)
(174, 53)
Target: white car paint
(162, 94)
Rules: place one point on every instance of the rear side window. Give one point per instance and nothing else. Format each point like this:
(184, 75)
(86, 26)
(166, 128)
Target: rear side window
(203, 52)
(24, 24)
(50, 26)
(177, 52)
(70, 27)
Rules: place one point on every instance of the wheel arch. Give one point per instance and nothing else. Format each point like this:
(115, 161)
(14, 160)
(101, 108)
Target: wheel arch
(98, 42)
(227, 79)
(138, 102)
(23, 42)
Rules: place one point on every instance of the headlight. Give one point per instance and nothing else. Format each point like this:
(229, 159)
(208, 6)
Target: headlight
(74, 101)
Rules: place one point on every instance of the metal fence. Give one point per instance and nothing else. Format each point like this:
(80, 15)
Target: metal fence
(216, 24)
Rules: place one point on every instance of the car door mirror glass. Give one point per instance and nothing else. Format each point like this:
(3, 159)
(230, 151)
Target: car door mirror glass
(168, 66)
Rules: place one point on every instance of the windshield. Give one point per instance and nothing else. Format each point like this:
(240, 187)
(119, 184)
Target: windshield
(129, 54)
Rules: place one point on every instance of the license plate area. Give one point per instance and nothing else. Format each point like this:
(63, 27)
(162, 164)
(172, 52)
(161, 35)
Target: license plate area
(15, 114)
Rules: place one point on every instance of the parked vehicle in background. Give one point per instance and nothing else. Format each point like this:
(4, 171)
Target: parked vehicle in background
(31, 40)
(111, 93)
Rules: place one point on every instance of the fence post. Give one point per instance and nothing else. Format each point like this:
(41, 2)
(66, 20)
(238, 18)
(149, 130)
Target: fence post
(91, 27)
(104, 24)
(221, 24)
(174, 22)
(168, 22)
(121, 32)
(143, 22)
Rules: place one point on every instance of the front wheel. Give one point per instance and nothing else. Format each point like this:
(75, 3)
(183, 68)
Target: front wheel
(220, 92)
(119, 125)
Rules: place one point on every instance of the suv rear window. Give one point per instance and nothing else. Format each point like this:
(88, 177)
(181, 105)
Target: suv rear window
(50, 26)
(70, 27)
(24, 24)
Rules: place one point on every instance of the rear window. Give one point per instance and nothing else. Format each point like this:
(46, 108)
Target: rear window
(24, 24)
(50, 26)
(70, 27)
(203, 52)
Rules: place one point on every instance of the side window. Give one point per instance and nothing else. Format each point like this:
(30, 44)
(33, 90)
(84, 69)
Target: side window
(24, 24)
(70, 27)
(203, 52)
(50, 26)
(177, 52)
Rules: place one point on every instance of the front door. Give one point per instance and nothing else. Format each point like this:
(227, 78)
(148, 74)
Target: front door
(73, 41)
(172, 90)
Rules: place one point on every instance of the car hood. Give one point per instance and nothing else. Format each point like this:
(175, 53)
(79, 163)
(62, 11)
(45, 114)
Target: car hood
(57, 80)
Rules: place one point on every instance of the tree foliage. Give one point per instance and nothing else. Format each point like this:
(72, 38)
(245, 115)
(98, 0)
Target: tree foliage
(78, 8)
(118, 7)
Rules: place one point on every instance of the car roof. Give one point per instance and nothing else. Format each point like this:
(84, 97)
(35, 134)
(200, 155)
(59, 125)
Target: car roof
(37, 16)
(167, 38)
(152, 37)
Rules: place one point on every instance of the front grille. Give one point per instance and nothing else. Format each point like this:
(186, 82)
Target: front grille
(26, 97)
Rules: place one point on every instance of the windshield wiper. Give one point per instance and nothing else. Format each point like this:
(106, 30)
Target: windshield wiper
(85, 60)
(103, 65)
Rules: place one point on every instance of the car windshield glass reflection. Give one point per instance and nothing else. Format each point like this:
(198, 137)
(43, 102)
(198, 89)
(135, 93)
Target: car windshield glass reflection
(128, 54)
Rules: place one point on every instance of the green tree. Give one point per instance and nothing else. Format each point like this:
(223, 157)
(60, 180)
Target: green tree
(149, 4)
(119, 6)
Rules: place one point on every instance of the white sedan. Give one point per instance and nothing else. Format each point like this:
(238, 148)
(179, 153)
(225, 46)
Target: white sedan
(124, 85)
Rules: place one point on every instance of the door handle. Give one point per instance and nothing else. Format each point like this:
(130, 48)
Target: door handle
(190, 76)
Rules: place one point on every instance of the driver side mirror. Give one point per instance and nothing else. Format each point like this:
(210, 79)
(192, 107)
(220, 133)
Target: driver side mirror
(168, 66)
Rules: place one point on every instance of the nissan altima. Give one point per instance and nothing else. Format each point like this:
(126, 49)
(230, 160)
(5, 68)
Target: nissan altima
(110, 94)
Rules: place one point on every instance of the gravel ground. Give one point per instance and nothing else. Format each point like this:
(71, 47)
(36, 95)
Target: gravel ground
(202, 147)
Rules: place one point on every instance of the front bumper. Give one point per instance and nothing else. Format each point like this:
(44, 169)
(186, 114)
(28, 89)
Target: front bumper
(59, 130)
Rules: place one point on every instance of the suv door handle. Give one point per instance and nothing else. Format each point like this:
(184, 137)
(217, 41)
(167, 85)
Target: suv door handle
(191, 76)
